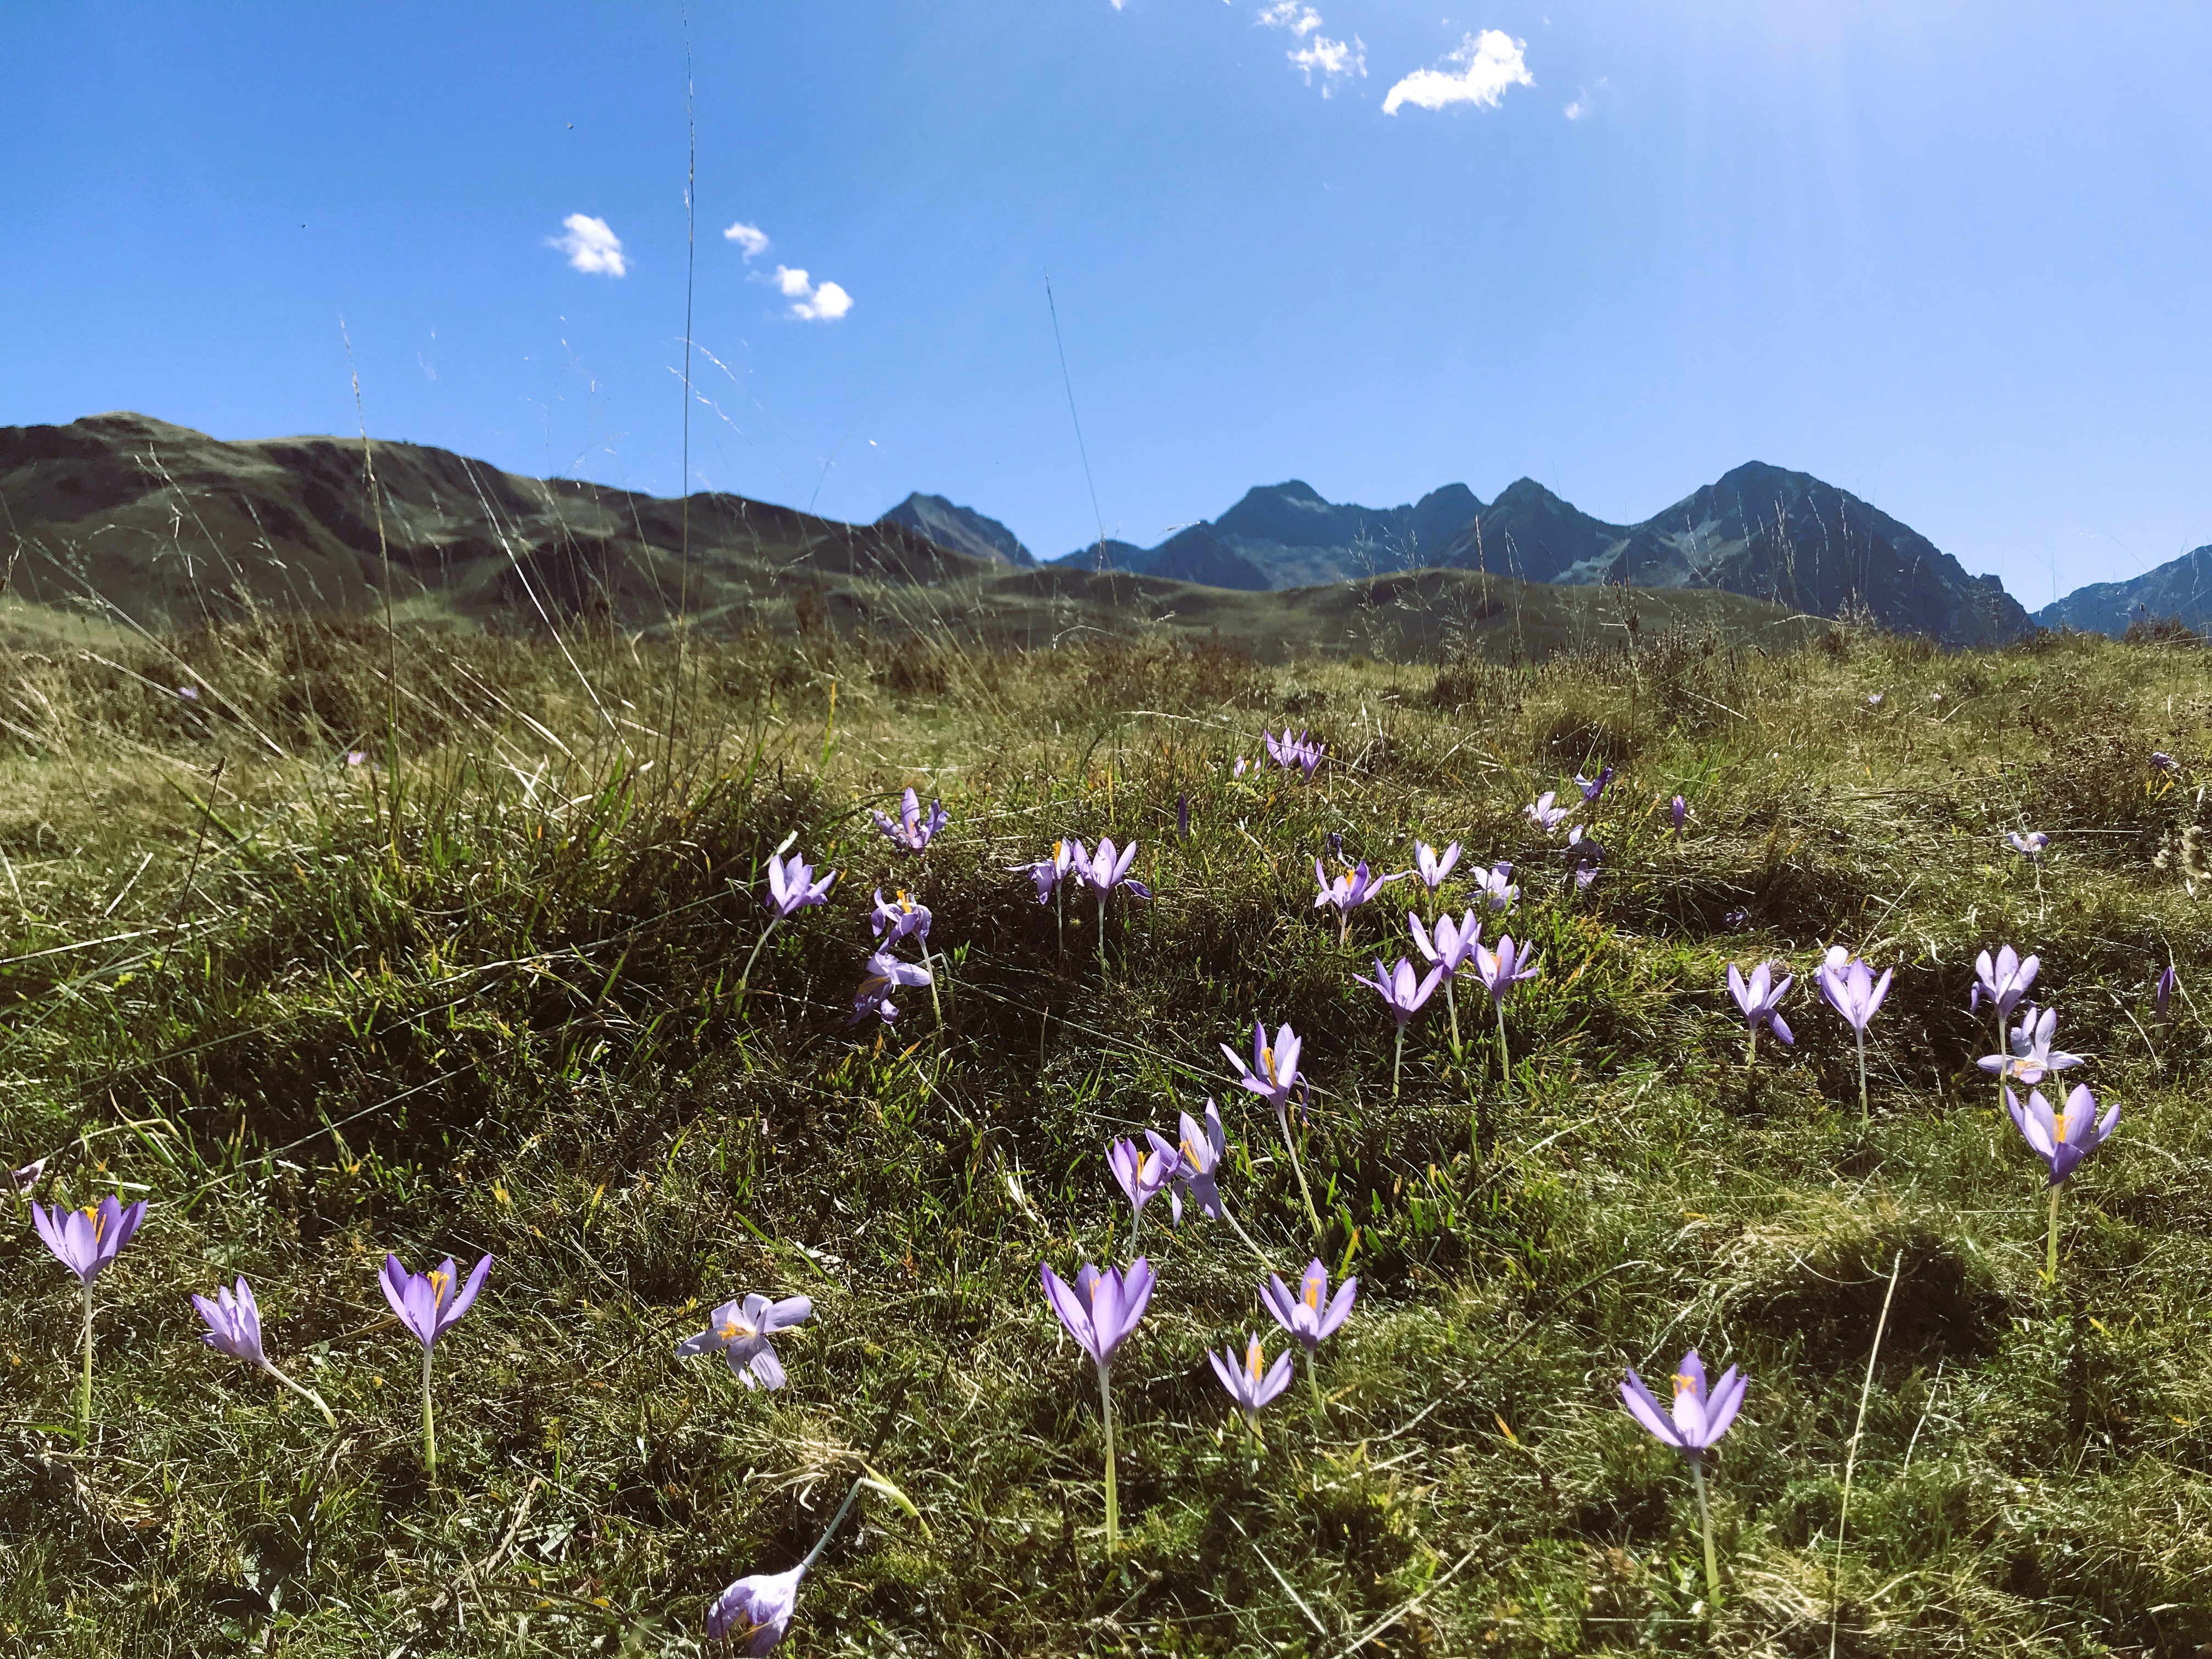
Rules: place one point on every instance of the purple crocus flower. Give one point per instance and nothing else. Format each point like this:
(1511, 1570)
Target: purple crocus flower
(1761, 1000)
(1142, 1172)
(791, 887)
(1431, 866)
(1199, 1153)
(1272, 1075)
(1679, 810)
(234, 1326)
(87, 1240)
(1451, 950)
(1099, 1311)
(1301, 752)
(2062, 1142)
(2003, 979)
(1584, 855)
(1402, 993)
(2162, 762)
(2162, 1004)
(897, 917)
(2030, 845)
(2029, 1057)
(1697, 1421)
(1850, 987)
(1593, 788)
(1253, 1383)
(1501, 970)
(356, 756)
(756, 1610)
(1048, 873)
(1874, 699)
(1105, 869)
(1311, 1316)
(189, 693)
(428, 1306)
(743, 1330)
(1496, 885)
(22, 1182)
(913, 831)
(1545, 815)
(885, 974)
(1348, 891)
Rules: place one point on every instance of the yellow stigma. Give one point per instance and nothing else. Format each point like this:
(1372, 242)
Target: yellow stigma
(728, 1332)
(1252, 1359)
(99, 1222)
(1313, 1293)
(2058, 1128)
(438, 1283)
(1267, 1059)
(1684, 1383)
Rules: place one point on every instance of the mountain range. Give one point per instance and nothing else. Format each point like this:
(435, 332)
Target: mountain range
(2179, 590)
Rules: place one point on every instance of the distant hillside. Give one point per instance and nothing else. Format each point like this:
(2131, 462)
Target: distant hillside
(962, 529)
(1761, 531)
(2180, 588)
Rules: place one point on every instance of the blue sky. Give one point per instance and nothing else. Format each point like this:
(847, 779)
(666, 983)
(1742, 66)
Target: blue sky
(1954, 257)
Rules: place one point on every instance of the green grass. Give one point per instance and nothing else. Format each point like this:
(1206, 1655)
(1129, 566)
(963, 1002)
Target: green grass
(479, 995)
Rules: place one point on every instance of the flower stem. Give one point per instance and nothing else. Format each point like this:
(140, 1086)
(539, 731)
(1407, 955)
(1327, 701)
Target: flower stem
(84, 1394)
(2051, 1253)
(1705, 1518)
(1397, 1060)
(750, 960)
(1505, 1058)
(1863, 1086)
(1751, 1050)
(429, 1427)
(1313, 1382)
(1449, 1003)
(1101, 933)
(1113, 1498)
(1283, 1117)
(307, 1395)
(1246, 1237)
(830, 1531)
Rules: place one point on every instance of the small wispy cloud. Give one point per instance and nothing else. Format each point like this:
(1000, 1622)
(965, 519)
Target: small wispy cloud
(811, 302)
(592, 247)
(1489, 63)
(1584, 102)
(1335, 60)
(751, 237)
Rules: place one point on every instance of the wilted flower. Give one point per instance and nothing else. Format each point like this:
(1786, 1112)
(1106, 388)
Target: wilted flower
(2029, 1056)
(1253, 1383)
(1142, 1172)
(791, 887)
(1850, 987)
(756, 1610)
(885, 974)
(1545, 815)
(233, 1326)
(1582, 854)
(1697, 1421)
(428, 1306)
(1099, 1311)
(913, 831)
(1593, 788)
(1761, 1000)
(898, 917)
(87, 1240)
(1496, 885)
(1431, 866)
(742, 1330)
(2030, 845)
(2161, 1004)
(2003, 979)
(2162, 762)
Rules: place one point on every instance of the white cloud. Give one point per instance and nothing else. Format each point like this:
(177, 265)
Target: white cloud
(1489, 63)
(810, 303)
(1335, 59)
(591, 246)
(751, 237)
(1584, 101)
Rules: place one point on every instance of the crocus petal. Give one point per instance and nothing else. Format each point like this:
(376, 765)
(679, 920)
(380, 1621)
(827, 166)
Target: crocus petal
(767, 1368)
(395, 1280)
(1339, 1307)
(1280, 1302)
(1074, 1310)
(1781, 1028)
(1276, 1379)
(462, 1302)
(50, 1228)
(1646, 1410)
(1727, 1400)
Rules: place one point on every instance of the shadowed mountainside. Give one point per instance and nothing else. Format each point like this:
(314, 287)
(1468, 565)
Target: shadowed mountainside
(2180, 588)
(962, 529)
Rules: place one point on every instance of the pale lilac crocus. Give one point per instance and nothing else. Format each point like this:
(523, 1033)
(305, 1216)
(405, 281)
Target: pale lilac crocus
(2028, 845)
(1198, 1155)
(1593, 788)
(428, 1304)
(1311, 1316)
(914, 831)
(234, 1326)
(744, 1330)
(790, 887)
(21, 1182)
(1496, 885)
(1434, 867)
(2062, 1141)
(1850, 987)
(1142, 1172)
(1679, 810)
(1761, 1000)
(2029, 1058)
(85, 1241)
(1100, 1311)
(1583, 853)
(1500, 970)
(1255, 1383)
(1403, 992)
(1103, 869)
(1348, 891)
(1241, 767)
(1545, 815)
(757, 1610)
(2003, 979)
(898, 917)
(1451, 948)
(1051, 874)
(2161, 1004)
(1272, 1074)
(1697, 1421)
(885, 974)
(1301, 752)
